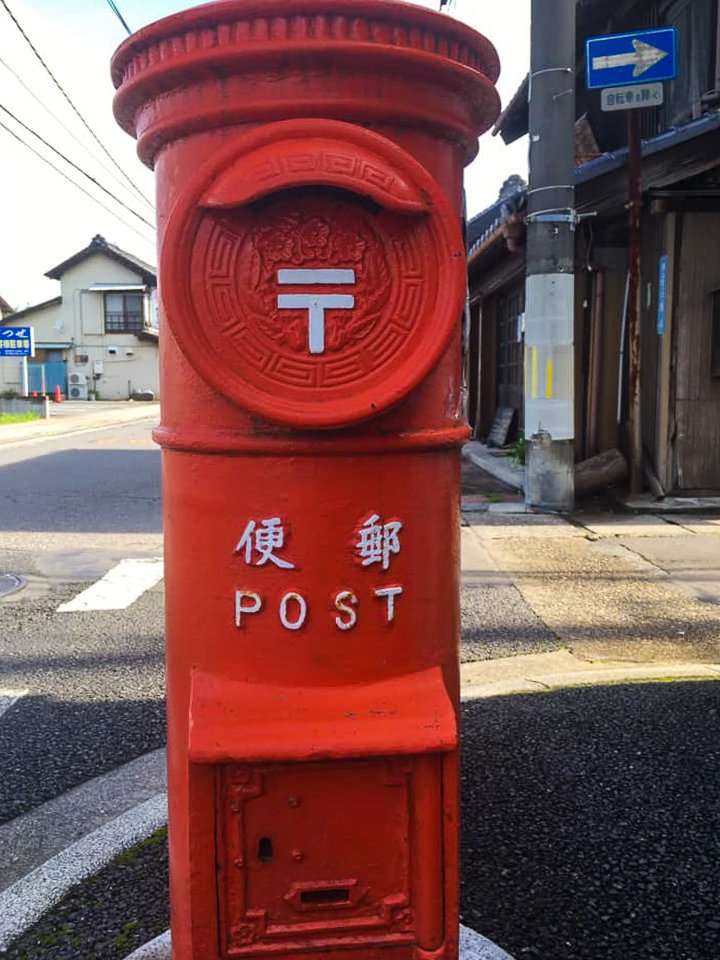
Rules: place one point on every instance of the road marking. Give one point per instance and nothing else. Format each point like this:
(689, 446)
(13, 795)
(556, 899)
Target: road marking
(35, 837)
(22, 904)
(120, 587)
(9, 697)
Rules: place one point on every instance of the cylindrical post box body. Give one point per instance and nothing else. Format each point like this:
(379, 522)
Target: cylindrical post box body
(309, 159)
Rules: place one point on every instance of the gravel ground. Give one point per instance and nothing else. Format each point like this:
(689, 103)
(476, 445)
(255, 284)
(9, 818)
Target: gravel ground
(108, 916)
(591, 825)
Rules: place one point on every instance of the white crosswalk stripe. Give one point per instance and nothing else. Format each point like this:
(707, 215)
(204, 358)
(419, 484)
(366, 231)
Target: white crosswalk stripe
(120, 587)
(9, 697)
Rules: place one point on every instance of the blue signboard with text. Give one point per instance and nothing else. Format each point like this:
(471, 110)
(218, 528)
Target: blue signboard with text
(17, 342)
(621, 59)
(662, 294)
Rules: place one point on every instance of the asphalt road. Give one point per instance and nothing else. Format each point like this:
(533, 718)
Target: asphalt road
(70, 509)
(591, 822)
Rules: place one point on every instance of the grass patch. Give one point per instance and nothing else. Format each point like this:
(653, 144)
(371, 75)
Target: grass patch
(131, 856)
(18, 417)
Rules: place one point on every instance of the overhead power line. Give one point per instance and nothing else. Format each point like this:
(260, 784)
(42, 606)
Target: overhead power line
(64, 126)
(79, 187)
(72, 105)
(76, 167)
(113, 7)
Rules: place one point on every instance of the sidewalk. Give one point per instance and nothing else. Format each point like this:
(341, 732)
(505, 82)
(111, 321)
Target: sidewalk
(634, 590)
(75, 416)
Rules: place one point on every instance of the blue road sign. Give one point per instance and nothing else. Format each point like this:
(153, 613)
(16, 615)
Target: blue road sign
(662, 294)
(16, 342)
(621, 59)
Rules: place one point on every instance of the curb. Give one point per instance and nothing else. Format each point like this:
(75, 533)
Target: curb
(22, 904)
(558, 670)
(473, 946)
(498, 467)
(68, 430)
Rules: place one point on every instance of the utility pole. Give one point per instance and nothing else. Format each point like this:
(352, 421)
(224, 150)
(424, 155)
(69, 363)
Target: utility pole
(550, 290)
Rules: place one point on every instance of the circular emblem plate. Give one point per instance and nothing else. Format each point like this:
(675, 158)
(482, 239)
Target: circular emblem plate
(313, 273)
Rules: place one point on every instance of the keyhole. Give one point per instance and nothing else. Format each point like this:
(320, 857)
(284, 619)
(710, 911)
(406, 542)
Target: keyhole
(265, 849)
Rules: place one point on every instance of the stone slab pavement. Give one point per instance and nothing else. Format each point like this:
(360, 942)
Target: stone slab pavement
(637, 589)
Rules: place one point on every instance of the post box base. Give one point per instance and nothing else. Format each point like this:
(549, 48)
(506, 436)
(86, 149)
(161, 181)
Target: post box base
(473, 946)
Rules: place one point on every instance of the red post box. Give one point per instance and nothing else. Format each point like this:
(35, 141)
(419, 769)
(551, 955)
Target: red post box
(309, 160)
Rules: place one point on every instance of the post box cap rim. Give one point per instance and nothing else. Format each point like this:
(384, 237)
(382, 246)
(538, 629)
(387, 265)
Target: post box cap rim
(222, 11)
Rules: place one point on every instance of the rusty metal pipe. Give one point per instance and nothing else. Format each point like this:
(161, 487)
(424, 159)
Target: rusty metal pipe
(634, 248)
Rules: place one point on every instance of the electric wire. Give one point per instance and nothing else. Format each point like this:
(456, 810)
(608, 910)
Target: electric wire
(113, 7)
(82, 189)
(76, 167)
(72, 105)
(64, 126)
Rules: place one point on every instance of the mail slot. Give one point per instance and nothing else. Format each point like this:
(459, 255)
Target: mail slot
(308, 158)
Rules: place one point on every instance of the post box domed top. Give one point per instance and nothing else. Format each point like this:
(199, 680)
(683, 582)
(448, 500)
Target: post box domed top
(237, 62)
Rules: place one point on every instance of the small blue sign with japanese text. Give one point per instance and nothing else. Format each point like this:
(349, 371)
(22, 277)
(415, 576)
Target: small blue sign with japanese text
(662, 295)
(622, 59)
(17, 342)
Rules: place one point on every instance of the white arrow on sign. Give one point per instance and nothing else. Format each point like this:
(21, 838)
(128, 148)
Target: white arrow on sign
(642, 58)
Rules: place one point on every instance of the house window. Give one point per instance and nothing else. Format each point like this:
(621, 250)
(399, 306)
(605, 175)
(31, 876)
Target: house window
(124, 313)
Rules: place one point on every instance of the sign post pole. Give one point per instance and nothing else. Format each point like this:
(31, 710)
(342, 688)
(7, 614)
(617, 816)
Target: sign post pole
(629, 68)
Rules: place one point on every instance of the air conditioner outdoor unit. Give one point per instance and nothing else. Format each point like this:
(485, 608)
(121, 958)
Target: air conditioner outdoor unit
(77, 391)
(76, 378)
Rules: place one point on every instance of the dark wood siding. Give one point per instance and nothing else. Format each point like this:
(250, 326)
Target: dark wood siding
(697, 392)
(511, 354)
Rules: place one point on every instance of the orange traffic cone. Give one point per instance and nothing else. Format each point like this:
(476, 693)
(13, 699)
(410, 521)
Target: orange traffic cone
(58, 394)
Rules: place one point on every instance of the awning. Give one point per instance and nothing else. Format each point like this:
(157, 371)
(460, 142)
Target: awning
(52, 346)
(117, 287)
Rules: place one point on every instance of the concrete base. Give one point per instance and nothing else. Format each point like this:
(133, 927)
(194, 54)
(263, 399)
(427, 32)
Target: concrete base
(550, 474)
(473, 946)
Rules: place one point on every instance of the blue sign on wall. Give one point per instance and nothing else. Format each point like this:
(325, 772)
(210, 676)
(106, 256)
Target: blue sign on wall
(17, 342)
(662, 294)
(644, 56)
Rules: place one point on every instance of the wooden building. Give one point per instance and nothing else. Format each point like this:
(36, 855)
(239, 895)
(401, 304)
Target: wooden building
(680, 316)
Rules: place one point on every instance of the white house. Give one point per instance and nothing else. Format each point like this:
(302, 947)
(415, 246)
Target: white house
(99, 337)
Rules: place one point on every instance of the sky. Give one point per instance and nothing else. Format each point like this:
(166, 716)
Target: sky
(45, 219)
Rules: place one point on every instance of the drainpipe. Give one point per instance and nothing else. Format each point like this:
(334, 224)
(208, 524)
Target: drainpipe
(634, 240)
(597, 317)
(717, 50)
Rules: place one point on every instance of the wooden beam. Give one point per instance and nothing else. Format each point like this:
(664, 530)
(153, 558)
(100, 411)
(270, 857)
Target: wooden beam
(685, 204)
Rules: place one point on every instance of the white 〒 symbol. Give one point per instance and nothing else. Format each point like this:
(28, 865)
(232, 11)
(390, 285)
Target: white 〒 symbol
(377, 542)
(315, 303)
(263, 539)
